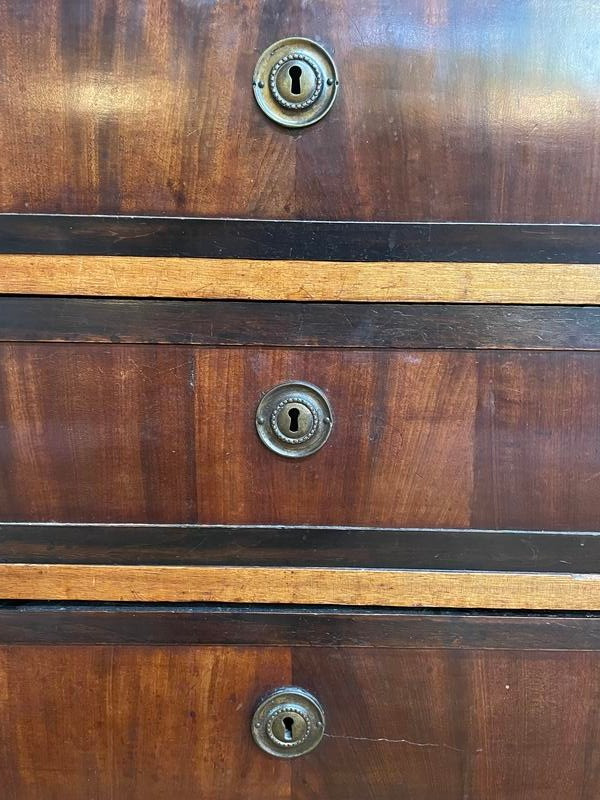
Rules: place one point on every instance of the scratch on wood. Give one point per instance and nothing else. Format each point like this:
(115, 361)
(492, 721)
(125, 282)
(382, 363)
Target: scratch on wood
(397, 741)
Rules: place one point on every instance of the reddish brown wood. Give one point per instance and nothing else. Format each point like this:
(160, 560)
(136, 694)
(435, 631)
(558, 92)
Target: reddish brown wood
(537, 457)
(118, 443)
(471, 110)
(499, 726)
(146, 722)
(151, 433)
(99, 433)
(83, 722)
(377, 467)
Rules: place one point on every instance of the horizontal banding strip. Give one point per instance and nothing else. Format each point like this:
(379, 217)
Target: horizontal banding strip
(416, 326)
(403, 588)
(151, 624)
(275, 546)
(213, 278)
(64, 234)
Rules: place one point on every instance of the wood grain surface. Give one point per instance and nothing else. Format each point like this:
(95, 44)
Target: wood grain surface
(143, 722)
(536, 427)
(118, 433)
(122, 723)
(97, 432)
(306, 585)
(244, 279)
(424, 726)
(464, 111)
(423, 438)
(359, 479)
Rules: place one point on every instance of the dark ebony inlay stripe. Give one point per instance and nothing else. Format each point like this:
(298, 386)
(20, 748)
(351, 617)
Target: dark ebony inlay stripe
(146, 624)
(268, 239)
(374, 325)
(520, 551)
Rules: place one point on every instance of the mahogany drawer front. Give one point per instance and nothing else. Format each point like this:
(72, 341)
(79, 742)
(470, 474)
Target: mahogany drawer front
(144, 702)
(436, 115)
(461, 470)
(166, 434)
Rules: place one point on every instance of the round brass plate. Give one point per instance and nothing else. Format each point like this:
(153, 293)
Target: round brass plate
(289, 722)
(294, 419)
(295, 82)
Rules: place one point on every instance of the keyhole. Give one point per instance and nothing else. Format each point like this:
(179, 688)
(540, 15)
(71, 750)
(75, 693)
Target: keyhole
(288, 724)
(293, 414)
(295, 75)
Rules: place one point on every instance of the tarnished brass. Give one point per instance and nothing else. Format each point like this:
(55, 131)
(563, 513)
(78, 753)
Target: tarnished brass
(289, 722)
(294, 419)
(295, 82)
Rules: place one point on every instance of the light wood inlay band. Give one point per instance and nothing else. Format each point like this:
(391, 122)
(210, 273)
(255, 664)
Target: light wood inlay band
(424, 282)
(419, 588)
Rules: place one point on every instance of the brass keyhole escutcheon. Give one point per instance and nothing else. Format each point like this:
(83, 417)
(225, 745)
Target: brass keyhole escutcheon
(295, 82)
(294, 419)
(289, 722)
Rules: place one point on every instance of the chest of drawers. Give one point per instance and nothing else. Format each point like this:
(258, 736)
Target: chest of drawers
(426, 256)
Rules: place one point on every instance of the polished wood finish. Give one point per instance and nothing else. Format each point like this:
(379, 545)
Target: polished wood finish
(444, 712)
(166, 434)
(96, 434)
(537, 420)
(128, 723)
(462, 111)
(177, 624)
(243, 279)
(366, 587)
(345, 480)
(275, 546)
(417, 326)
(453, 725)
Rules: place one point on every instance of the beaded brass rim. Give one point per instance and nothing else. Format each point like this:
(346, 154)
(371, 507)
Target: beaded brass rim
(295, 701)
(303, 401)
(273, 80)
(280, 711)
(317, 408)
(322, 82)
